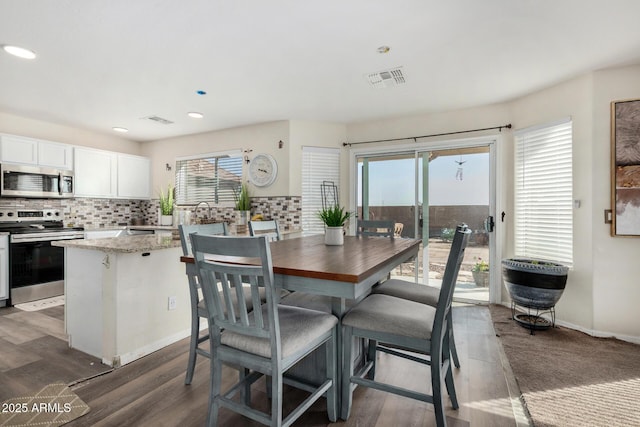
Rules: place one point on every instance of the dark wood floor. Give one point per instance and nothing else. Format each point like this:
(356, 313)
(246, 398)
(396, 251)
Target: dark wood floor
(151, 391)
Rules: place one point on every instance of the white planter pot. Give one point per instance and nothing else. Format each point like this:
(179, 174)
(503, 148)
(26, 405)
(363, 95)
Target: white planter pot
(242, 218)
(334, 236)
(166, 219)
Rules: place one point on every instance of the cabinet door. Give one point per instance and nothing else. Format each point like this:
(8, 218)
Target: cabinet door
(95, 173)
(55, 155)
(18, 149)
(4, 268)
(134, 177)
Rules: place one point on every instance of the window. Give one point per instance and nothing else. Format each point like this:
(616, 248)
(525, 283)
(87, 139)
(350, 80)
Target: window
(543, 192)
(213, 178)
(319, 166)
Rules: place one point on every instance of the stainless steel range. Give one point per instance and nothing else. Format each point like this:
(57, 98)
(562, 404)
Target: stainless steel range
(36, 269)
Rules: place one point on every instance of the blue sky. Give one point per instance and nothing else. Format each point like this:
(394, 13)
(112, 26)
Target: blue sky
(392, 181)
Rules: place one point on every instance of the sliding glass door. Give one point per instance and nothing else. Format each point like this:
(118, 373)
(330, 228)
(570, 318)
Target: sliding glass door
(427, 193)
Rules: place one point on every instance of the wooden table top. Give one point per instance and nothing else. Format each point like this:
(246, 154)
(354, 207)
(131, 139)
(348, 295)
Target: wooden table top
(352, 262)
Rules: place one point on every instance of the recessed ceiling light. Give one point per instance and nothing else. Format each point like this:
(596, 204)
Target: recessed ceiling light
(19, 51)
(383, 49)
(119, 129)
(195, 115)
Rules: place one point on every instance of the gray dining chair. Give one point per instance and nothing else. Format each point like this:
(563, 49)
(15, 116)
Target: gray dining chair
(267, 228)
(259, 342)
(198, 310)
(424, 294)
(410, 326)
(383, 228)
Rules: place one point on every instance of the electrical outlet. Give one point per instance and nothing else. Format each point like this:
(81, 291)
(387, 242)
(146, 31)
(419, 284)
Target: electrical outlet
(172, 303)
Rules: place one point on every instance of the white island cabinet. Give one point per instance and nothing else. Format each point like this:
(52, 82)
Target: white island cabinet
(118, 293)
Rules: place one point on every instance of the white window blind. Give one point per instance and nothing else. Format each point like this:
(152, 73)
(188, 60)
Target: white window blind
(319, 165)
(543, 193)
(213, 178)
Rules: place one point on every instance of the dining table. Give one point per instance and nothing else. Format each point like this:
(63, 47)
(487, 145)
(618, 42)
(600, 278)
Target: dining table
(344, 273)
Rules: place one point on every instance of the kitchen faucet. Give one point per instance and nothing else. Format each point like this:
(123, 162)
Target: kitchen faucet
(208, 209)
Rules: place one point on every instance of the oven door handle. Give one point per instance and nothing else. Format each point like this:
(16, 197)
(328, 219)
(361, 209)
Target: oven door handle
(42, 237)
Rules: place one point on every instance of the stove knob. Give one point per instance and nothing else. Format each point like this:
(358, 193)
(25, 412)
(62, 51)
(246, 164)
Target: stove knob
(10, 214)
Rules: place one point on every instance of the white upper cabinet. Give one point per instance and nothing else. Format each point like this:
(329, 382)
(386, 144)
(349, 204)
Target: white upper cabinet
(106, 174)
(134, 177)
(18, 149)
(96, 173)
(55, 155)
(31, 151)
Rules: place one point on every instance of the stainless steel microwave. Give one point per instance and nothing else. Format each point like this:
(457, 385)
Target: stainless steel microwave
(34, 181)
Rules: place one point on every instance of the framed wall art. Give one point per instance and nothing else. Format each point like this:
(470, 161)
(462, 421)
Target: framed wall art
(625, 168)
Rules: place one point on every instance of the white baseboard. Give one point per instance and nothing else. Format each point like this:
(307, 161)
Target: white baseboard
(125, 358)
(592, 332)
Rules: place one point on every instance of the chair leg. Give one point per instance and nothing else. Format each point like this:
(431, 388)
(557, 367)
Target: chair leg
(215, 380)
(332, 393)
(371, 356)
(452, 342)
(195, 331)
(451, 388)
(276, 399)
(245, 393)
(438, 402)
(347, 371)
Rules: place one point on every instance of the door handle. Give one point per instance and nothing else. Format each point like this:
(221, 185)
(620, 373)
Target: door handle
(489, 224)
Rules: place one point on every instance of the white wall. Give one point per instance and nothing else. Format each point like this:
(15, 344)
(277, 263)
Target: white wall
(616, 290)
(261, 138)
(22, 126)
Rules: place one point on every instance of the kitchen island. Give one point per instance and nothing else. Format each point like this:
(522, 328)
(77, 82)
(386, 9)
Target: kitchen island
(125, 297)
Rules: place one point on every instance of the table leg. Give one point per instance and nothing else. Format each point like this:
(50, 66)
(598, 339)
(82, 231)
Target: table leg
(338, 309)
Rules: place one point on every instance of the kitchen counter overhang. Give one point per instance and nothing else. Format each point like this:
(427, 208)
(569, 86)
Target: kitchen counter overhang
(124, 244)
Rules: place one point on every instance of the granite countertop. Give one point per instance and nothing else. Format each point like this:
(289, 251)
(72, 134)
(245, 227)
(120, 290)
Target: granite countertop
(132, 227)
(124, 244)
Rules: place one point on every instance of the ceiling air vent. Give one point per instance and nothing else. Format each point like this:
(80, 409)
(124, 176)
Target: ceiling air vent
(158, 119)
(386, 78)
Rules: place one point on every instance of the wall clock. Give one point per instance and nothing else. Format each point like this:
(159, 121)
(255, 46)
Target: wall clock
(263, 170)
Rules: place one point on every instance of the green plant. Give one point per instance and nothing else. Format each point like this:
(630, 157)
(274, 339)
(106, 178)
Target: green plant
(447, 234)
(334, 216)
(243, 202)
(166, 201)
(480, 265)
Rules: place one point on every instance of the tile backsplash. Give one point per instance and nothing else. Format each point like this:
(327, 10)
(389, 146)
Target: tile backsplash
(96, 213)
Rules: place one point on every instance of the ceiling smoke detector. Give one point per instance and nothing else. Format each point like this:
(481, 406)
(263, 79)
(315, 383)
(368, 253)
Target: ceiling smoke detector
(158, 119)
(386, 78)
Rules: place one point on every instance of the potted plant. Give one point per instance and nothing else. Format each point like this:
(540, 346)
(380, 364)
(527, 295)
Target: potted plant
(480, 272)
(166, 206)
(243, 203)
(334, 219)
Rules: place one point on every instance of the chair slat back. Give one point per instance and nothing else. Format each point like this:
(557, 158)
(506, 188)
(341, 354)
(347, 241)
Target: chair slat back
(265, 228)
(445, 298)
(380, 228)
(224, 263)
(219, 228)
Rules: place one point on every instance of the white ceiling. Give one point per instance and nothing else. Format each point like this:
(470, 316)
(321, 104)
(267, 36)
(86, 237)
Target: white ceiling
(111, 63)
